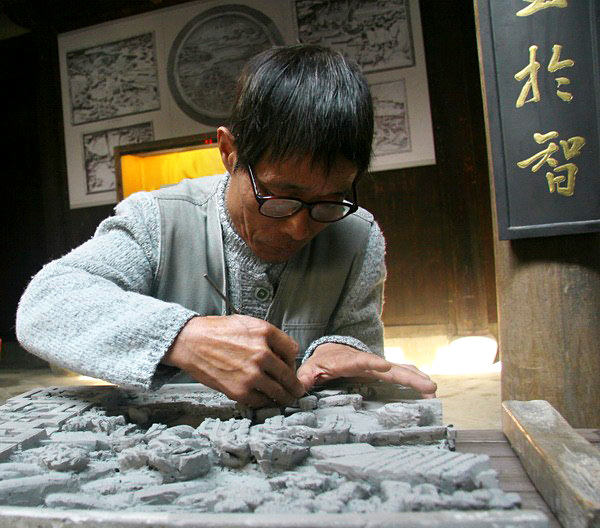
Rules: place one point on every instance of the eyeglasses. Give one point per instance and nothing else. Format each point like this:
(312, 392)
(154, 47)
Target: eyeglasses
(283, 206)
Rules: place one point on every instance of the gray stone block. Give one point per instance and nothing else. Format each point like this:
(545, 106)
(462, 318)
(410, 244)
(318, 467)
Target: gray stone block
(98, 469)
(275, 452)
(61, 457)
(32, 491)
(96, 422)
(90, 441)
(86, 501)
(327, 393)
(36, 421)
(11, 470)
(164, 493)
(37, 407)
(6, 450)
(340, 400)
(410, 413)
(301, 418)
(339, 450)
(133, 480)
(308, 403)
(427, 435)
(177, 459)
(447, 470)
(229, 438)
(20, 434)
(395, 490)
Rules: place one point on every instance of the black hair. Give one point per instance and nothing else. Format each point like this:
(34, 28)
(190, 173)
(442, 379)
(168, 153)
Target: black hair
(302, 100)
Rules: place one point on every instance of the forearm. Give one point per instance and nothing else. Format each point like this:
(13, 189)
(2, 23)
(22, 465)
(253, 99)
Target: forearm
(90, 325)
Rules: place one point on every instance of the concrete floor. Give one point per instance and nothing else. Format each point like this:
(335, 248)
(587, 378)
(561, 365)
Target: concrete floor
(470, 401)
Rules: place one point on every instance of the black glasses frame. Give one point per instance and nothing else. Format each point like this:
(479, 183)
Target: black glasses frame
(261, 200)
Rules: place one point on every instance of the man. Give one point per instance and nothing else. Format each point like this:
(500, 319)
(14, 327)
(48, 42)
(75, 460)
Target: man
(280, 235)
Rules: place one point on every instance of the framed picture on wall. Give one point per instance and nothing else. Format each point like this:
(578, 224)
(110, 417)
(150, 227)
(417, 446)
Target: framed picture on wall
(385, 38)
(168, 73)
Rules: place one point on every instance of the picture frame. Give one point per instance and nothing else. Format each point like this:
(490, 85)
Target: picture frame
(385, 38)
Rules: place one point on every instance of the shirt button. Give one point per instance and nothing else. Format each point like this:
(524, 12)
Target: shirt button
(261, 293)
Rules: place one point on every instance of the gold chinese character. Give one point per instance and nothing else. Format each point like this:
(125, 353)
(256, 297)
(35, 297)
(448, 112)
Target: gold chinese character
(531, 71)
(570, 148)
(544, 156)
(556, 64)
(555, 181)
(538, 5)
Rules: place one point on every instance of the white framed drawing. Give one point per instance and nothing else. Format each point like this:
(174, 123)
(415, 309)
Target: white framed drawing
(113, 79)
(203, 84)
(98, 158)
(385, 38)
(167, 73)
(375, 33)
(392, 130)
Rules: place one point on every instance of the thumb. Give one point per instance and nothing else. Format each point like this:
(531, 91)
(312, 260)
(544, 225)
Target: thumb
(307, 375)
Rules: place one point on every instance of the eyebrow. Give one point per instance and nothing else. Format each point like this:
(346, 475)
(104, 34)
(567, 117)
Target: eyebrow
(292, 188)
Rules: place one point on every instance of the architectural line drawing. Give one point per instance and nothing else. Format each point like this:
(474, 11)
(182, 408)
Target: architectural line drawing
(113, 79)
(98, 157)
(208, 54)
(375, 33)
(392, 130)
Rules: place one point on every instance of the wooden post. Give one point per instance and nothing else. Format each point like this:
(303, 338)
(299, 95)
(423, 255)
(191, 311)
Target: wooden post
(547, 277)
(549, 323)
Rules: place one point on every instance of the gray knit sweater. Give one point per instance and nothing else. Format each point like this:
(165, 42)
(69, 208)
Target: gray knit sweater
(91, 310)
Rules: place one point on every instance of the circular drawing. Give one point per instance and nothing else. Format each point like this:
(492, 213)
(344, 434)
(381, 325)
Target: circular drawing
(207, 57)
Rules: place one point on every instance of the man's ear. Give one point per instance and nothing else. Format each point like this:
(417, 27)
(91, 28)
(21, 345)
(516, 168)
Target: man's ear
(227, 148)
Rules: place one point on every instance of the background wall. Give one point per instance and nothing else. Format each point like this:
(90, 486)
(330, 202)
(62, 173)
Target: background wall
(436, 219)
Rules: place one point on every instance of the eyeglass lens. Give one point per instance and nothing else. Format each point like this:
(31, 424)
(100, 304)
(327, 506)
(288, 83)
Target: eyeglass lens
(321, 212)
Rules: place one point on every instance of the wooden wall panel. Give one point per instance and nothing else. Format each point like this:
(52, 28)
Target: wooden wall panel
(407, 205)
(437, 218)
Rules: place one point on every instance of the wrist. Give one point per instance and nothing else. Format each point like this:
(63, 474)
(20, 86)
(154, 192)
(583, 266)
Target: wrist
(179, 353)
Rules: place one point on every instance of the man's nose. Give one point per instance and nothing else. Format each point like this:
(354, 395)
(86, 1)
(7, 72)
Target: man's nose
(298, 226)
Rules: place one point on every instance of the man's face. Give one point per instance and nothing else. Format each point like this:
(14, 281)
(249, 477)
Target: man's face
(277, 239)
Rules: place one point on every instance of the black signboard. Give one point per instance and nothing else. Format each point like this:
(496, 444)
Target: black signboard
(540, 61)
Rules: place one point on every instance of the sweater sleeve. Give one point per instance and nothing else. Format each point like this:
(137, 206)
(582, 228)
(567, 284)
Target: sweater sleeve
(91, 310)
(357, 320)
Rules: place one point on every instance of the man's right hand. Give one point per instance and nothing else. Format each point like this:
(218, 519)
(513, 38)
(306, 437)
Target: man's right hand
(249, 360)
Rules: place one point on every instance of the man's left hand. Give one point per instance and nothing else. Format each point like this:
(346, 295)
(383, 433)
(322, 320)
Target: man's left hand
(331, 360)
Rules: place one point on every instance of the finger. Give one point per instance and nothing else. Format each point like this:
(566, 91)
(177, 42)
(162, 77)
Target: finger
(283, 345)
(341, 365)
(307, 376)
(284, 375)
(413, 368)
(407, 377)
(256, 399)
(358, 363)
(274, 391)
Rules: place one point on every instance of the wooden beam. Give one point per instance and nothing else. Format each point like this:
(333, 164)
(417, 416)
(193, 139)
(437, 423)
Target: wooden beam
(563, 465)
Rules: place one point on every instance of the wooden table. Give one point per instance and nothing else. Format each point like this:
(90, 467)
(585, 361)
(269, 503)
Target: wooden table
(511, 474)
